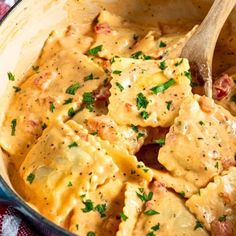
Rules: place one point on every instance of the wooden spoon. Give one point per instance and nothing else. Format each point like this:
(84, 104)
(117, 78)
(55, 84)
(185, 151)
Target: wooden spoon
(200, 48)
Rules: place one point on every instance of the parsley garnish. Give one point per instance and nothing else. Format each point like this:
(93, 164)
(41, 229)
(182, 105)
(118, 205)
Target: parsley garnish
(123, 216)
(88, 206)
(134, 128)
(101, 208)
(17, 89)
(162, 65)
(94, 133)
(35, 68)
(188, 75)
(141, 101)
(68, 101)
(144, 168)
(71, 112)
(74, 144)
(11, 76)
(90, 233)
(217, 165)
(117, 72)
(73, 88)
(140, 135)
(160, 141)
(143, 196)
(179, 62)
(198, 225)
(233, 98)
(162, 44)
(156, 227)
(162, 87)
(151, 212)
(182, 194)
(88, 98)
(69, 184)
(144, 115)
(168, 105)
(13, 127)
(222, 218)
(30, 178)
(88, 77)
(150, 234)
(52, 107)
(140, 55)
(119, 86)
(95, 51)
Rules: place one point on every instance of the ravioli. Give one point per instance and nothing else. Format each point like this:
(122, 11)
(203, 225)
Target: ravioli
(216, 203)
(61, 167)
(200, 144)
(148, 92)
(58, 81)
(164, 47)
(128, 137)
(117, 36)
(165, 214)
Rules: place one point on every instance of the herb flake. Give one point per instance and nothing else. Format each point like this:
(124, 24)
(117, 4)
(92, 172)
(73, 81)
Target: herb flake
(73, 88)
(162, 87)
(94, 51)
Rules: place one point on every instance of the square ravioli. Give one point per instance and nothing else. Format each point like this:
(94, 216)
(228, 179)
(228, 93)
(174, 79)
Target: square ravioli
(215, 205)
(200, 144)
(148, 92)
(115, 36)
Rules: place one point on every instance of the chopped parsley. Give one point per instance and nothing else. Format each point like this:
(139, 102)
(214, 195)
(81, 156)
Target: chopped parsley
(30, 178)
(141, 101)
(11, 77)
(233, 98)
(117, 72)
(168, 105)
(134, 128)
(94, 133)
(160, 141)
(73, 88)
(182, 194)
(198, 225)
(71, 112)
(17, 89)
(140, 135)
(150, 234)
(95, 51)
(101, 209)
(162, 87)
(52, 107)
(119, 86)
(143, 196)
(68, 101)
(113, 59)
(217, 165)
(88, 98)
(144, 115)
(13, 127)
(156, 227)
(74, 144)
(179, 62)
(188, 75)
(144, 168)
(88, 206)
(69, 184)
(162, 44)
(90, 233)
(35, 68)
(123, 216)
(88, 77)
(162, 65)
(140, 55)
(222, 218)
(151, 212)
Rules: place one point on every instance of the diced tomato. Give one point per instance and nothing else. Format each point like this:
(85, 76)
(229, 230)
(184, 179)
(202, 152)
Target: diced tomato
(102, 28)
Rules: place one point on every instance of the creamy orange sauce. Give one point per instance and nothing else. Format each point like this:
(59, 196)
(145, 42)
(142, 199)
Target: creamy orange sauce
(105, 135)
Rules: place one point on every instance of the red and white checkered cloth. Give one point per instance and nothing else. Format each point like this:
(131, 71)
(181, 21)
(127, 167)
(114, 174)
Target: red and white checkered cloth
(5, 5)
(12, 224)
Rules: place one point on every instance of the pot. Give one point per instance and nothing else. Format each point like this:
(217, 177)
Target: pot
(26, 27)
